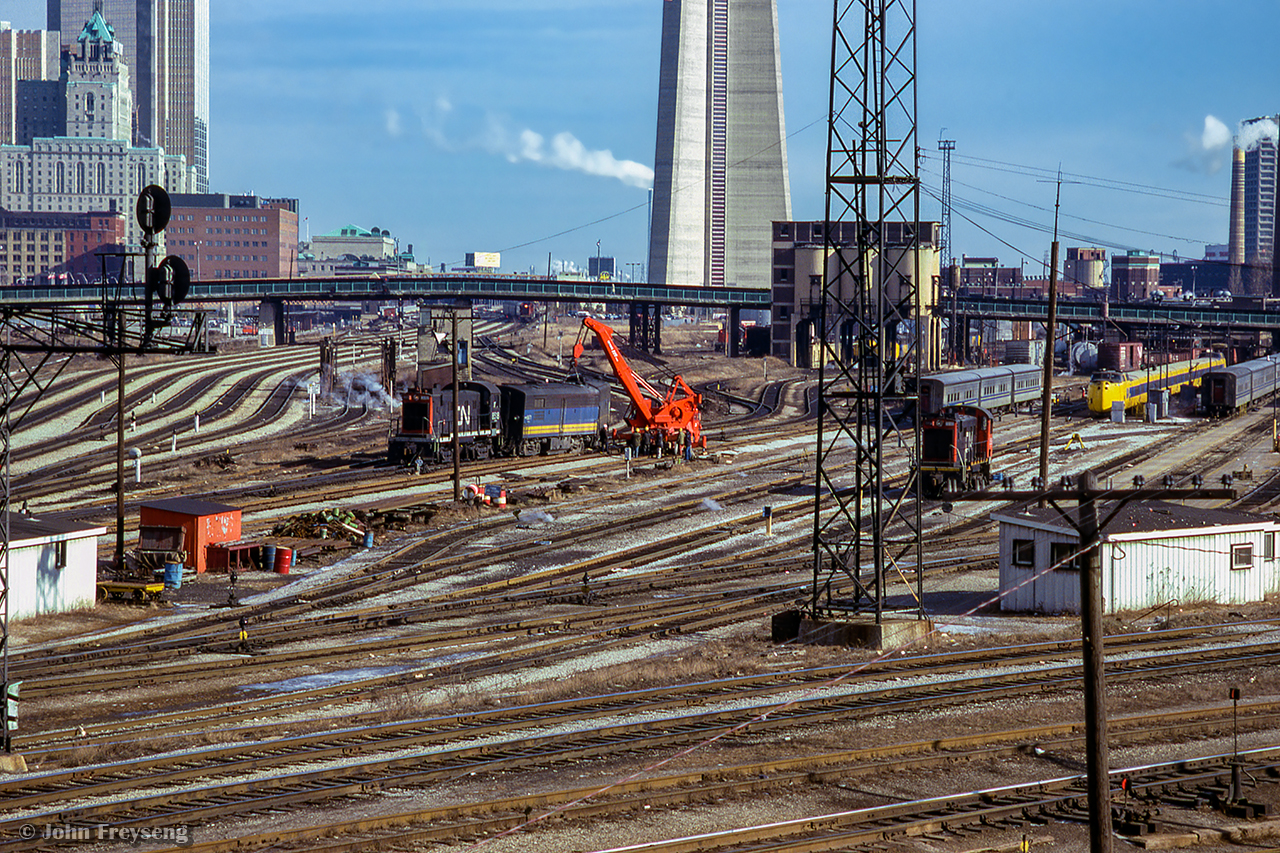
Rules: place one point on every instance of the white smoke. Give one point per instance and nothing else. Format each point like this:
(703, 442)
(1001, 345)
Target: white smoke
(567, 152)
(1208, 152)
(360, 389)
(458, 130)
(1216, 135)
(710, 505)
(1252, 133)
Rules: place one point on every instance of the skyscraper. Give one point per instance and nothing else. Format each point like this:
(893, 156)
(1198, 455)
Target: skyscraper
(1253, 225)
(167, 43)
(720, 165)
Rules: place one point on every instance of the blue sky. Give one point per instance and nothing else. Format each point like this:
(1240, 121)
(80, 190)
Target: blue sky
(527, 126)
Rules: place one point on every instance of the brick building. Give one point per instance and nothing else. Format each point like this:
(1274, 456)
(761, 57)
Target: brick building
(57, 248)
(234, 236)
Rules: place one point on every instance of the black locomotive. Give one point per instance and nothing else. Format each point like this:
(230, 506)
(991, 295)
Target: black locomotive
(500, 420)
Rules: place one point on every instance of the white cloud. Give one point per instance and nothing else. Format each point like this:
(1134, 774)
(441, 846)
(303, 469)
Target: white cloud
(393, 122)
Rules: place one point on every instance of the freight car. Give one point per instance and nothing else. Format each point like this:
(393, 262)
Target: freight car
(993, 388)
(500, 420)
(955, 450)
(1132, 388)
(1226, 390)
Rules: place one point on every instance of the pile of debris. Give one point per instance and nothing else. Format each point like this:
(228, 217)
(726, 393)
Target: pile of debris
(325, 523)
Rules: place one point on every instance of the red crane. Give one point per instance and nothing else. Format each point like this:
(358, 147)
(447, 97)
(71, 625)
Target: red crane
(654, 417)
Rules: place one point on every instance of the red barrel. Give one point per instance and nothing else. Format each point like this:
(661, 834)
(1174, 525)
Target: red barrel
(284, 556)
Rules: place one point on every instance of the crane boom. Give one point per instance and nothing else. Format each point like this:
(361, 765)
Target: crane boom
(655, 417)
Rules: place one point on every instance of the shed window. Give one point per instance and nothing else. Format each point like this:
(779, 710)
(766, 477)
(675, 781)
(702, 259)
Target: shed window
(1269, 546)
(1242, 556)
(1061, 551)
(60, 554)
(1024, 552)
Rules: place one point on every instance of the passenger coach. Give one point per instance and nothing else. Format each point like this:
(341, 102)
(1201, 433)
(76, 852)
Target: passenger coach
(993, 388)
(1226, 390)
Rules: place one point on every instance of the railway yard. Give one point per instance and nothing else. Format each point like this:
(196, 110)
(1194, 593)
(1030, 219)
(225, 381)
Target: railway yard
(591, 667)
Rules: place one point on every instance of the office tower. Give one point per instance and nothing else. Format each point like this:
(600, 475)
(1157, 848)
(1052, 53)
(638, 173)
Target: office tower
(25, 55)
(86, 164)
(167, 44)
(720, 165)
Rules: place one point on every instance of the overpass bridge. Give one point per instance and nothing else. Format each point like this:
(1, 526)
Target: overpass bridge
(644, 301)
(1250, 316)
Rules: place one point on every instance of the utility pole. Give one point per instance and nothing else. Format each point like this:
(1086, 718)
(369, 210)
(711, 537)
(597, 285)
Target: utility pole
(457, 446)
(1050, 331)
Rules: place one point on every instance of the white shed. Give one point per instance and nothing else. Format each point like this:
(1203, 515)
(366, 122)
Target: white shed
(53, 565)
(1152, 553)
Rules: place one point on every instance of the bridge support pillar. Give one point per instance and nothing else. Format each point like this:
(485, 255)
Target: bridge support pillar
(645, 331)
(733, 331)
(271, 316)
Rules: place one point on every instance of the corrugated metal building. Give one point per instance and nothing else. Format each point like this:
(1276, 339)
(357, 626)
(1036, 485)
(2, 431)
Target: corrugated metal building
(1152, 553)
(53, 565)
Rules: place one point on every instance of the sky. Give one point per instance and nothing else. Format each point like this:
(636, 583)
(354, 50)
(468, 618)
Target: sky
(527, 127)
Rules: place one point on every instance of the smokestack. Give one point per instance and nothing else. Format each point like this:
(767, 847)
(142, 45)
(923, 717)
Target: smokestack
(1235, 255)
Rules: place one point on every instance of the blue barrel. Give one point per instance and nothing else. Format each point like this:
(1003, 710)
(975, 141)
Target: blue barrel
(268, 558)
(173, 575)
(368, 539)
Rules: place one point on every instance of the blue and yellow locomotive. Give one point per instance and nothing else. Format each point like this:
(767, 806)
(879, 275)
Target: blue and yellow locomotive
(1133, 388)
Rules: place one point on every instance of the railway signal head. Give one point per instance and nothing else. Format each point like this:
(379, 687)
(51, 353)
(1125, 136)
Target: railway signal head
(1139, 481)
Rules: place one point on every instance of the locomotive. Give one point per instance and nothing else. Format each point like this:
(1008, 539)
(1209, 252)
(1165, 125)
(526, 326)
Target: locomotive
(500, 420)
(956, 445)
(1131, 389)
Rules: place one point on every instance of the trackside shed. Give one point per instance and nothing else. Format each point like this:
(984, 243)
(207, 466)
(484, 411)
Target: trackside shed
(1152, 553)
(205, 522)
(53, 565)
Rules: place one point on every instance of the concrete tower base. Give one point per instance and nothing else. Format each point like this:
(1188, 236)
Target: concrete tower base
(863, 632)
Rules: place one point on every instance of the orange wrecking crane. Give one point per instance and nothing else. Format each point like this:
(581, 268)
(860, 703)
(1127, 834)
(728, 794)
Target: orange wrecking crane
(654, 417)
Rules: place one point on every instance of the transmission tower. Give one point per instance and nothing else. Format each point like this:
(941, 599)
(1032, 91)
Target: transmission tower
(871, 318)
(946, 146)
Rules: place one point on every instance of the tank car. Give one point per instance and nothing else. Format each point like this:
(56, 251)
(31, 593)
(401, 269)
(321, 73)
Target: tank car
(993, 388)
(1226, 390)
(541, 419)
(956, 445)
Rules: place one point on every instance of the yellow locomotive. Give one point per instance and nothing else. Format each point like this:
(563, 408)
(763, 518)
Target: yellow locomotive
(1108, 386)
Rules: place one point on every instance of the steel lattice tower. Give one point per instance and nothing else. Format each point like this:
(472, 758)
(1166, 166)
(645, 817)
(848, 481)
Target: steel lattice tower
(946, 146)
(866, 523)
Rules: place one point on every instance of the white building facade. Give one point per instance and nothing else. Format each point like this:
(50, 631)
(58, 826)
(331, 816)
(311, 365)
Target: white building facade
(1151, 554)
(53, 566)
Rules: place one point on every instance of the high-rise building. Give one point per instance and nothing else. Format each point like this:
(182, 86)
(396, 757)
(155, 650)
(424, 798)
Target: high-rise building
(720, 165)
(167, 42)
(1257, 139)
(97, 170)
(25, 55)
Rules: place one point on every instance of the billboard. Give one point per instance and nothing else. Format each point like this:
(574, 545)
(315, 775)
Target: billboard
(484, 260)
